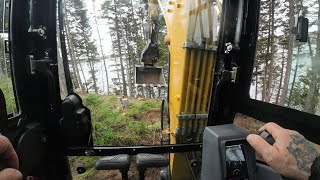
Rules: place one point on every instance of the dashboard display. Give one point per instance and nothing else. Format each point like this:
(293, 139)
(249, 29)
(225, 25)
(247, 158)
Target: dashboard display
(234, 153)
(236, 163)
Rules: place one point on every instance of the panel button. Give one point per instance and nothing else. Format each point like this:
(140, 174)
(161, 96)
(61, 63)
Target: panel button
(236, 172)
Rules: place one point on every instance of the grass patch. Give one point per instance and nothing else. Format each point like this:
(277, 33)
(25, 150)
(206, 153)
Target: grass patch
(114, 126)
(144, 107)
(7, 89)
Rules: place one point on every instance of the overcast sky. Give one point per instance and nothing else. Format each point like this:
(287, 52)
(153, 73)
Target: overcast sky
(102, 24)
(106, 44)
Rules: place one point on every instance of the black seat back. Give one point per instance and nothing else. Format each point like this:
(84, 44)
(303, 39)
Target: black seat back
(76, 122)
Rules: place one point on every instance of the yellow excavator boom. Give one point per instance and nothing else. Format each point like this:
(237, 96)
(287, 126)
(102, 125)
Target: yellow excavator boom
(192, 27)
(192, 34)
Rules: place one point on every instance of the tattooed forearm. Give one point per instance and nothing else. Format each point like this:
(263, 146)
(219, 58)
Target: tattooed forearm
(302, 151)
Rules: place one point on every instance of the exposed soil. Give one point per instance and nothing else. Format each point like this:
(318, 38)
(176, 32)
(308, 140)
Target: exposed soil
(153, 116)
(151, 139)
(248, 123)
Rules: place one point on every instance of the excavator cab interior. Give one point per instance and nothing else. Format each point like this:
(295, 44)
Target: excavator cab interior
(211, 64)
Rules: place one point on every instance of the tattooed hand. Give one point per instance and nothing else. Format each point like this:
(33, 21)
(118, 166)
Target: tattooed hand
(291, 155)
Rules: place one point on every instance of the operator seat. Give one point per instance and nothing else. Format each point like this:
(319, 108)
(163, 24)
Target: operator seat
(75, 123)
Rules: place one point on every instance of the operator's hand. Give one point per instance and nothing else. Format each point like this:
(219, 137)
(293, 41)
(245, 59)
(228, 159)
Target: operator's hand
(9, 160)
(291, 155)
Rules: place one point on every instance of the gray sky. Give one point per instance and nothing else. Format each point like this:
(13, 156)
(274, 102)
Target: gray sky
(106, 44)
(102, 24)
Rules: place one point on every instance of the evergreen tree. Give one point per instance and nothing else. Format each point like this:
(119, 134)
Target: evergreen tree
(310, 104)
(112, 11)
(100, 44)
(84, 47)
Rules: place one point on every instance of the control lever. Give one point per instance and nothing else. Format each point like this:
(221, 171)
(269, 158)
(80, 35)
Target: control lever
(145, 161)
(121, 162)
(267, 137)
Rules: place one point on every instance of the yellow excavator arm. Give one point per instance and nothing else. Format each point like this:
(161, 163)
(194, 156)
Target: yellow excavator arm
(192, 35)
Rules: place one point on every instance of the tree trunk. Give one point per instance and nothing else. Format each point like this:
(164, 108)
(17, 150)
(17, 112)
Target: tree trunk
(1, 66)
(76, 83)
(266, 89)
(315, 100)
(93, 76)
(270, 79)
(267, 59)
(315, 104)
(289, 58)
(294, 78)
(129, 55)
(73, 56)
(141, 15)
(101, 48)
(119, 50)
(281, 78)
(2, 58)
(62, 77)
(115, 60)
(264, 85)
(84, 77)
(91, 66)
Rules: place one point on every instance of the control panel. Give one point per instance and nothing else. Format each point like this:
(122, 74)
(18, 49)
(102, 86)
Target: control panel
(228, 156)
(236, 165)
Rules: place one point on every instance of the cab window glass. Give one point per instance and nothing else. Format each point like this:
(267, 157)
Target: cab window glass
(286, 71)
(104, 41)
(5, 69)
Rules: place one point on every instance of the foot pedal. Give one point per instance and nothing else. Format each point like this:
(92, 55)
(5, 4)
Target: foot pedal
(120, 162)
(145, 161)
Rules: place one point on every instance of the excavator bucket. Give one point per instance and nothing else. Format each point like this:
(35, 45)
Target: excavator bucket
(146, 76)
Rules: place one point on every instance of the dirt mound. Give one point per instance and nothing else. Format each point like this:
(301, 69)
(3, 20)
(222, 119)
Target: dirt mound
(248, 123)
(152, 116)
